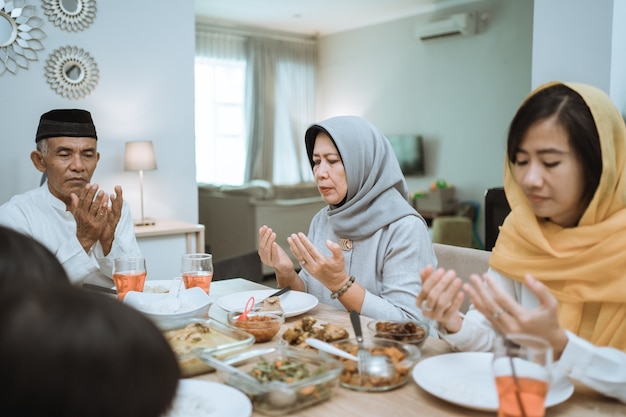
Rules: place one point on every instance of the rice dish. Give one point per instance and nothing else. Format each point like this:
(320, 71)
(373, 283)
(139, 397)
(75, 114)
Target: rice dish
(156, 289)
(163, 307)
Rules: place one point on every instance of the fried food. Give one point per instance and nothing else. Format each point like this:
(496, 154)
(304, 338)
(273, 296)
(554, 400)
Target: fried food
(305, 328)
(406, 332)
(271, 304)
(350, 374)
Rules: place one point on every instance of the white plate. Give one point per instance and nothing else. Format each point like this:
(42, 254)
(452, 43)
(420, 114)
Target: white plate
(466, 379)
(292, 302)
(209, 399)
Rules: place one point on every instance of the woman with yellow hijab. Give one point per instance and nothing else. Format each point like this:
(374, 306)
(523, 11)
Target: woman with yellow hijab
(558, 269)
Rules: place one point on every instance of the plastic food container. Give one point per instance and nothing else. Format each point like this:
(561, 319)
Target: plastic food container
(263, 325)
(412, 332)
(404, 356)
(285, 378)
(186, 335)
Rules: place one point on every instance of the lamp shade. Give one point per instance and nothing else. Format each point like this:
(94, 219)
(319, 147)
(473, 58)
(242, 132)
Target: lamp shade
(139, 156)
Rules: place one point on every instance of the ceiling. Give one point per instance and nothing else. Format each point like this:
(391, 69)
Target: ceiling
(314, 17)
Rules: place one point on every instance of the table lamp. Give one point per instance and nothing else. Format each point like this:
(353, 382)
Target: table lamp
(139, 156)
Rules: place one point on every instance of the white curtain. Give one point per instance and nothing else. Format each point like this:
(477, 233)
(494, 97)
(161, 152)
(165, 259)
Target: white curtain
(219, 108)
(211, 44)
(280, 99)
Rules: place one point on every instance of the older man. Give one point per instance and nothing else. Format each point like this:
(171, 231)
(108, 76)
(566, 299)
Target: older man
(68, 214)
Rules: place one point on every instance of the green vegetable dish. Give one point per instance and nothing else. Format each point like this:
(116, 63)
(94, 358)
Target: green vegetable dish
(282, 370)
(281, 380)
(290, 394)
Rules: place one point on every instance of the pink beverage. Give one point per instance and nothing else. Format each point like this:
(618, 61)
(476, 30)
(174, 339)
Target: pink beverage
(200, 279)
(129, 281)
(530, 392)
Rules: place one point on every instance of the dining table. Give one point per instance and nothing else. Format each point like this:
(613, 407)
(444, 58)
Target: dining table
(408, 400)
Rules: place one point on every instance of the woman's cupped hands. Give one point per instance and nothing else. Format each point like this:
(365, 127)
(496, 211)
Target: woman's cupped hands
(329, 270)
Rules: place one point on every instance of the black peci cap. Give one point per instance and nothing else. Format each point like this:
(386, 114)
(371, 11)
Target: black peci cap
(66, 122)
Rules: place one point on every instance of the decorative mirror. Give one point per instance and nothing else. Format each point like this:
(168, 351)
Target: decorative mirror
(72, 72)
(8, 29)
(19, 35)
(70, 15)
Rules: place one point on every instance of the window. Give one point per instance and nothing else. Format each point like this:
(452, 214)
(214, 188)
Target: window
(220, 125)
(246, 132)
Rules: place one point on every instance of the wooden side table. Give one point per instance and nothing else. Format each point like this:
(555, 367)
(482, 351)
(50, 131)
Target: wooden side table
(174, 227)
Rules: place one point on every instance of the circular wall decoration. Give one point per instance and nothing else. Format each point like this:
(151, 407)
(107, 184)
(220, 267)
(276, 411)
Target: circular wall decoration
(19, 35)
(70, 15)
(71, 72)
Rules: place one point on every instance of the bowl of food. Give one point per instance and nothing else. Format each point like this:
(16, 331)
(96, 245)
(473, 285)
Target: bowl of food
(278, 380)
(187, 335)
(402, 357)
(412, 331)
(261, 324)
(192, 302)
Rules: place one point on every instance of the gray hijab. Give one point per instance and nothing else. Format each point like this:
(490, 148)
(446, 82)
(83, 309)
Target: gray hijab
(377, 191)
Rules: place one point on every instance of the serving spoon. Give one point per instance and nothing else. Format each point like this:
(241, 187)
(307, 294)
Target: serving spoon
(374, 366)
(328, 348)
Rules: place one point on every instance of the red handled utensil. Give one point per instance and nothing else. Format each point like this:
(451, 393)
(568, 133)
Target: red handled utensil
(249, 306)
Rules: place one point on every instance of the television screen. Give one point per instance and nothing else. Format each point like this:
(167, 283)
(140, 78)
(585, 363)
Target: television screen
(409, 150)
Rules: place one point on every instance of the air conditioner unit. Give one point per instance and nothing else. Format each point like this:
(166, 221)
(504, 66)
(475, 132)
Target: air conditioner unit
(451, 25)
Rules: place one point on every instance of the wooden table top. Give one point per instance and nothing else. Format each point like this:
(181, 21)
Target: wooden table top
(409, 399)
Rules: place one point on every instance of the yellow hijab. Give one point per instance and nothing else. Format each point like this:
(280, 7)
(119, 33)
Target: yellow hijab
(585, 266)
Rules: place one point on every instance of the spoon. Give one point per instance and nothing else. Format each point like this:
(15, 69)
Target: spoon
(374, 366)
(328, 348)
(362, 353)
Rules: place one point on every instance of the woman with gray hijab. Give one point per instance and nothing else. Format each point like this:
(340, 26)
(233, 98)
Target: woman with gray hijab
(365, 250)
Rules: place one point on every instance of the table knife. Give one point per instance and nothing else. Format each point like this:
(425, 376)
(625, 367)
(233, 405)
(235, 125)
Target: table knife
(100, 288)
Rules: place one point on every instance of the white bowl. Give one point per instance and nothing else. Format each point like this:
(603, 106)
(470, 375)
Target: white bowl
(194, 302)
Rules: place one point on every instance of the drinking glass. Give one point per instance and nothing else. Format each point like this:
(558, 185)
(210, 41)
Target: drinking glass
(521, 366)
(129, 274)
(197, 270)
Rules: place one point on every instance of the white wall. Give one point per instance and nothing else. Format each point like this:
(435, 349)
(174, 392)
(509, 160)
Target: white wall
(618, 57)
(555, 59)
(460, 93)
(588, 46)
(144, 50)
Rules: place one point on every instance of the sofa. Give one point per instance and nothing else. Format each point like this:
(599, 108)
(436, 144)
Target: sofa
(465, 261)
(232, 215)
